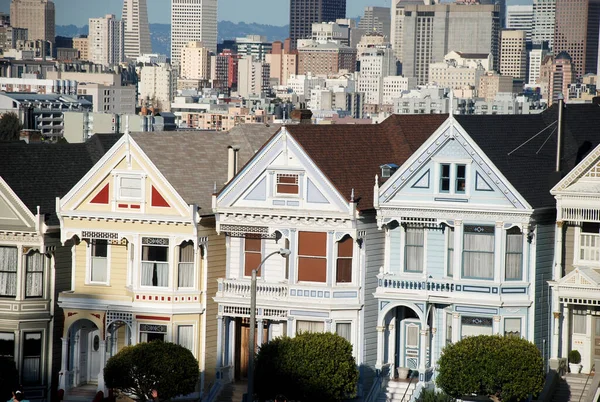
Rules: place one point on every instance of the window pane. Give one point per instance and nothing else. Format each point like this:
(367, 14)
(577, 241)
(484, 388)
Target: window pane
(512, 327)
(32, 352)
(344, 261)
(35, 275)
(312, 269)
(312, 252)
(309, 326)
(312, 244)
(99, 248)
(344, 329)
(185, 336)
(579, 324)
(460, 178)
(7, 344)
(445, 178)
(450, 262)
(131, 187)
(449, 328)
(8, 271)
(413, 251)
(478, 255)
(186, 252)
(287, 184)
(514, 254)
(155, 253)
(412, 336)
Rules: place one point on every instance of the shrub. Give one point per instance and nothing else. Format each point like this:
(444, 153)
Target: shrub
(309, 367)
(136, 370)
(574, 357)
(9, 378)
(509, 368)
(430, 395)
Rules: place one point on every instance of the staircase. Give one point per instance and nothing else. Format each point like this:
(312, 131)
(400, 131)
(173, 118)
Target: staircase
(233, 392)
(83, 393)
(396, 390)
(571, 388)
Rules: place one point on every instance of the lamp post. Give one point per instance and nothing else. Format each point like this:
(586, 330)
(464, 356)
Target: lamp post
(284, 252)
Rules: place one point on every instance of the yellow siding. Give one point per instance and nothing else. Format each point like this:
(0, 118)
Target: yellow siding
(118, 272)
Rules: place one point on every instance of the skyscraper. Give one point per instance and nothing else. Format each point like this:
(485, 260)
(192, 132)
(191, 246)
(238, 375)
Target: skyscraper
(193, 20)
(521, 18)
(137, 32)
(376, 19)
(105, 38)
(576, 32)
(513, 53)
(543, 21)
(37, 16)
(304, 12)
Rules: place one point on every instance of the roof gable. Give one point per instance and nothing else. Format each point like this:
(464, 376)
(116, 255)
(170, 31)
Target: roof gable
(14, 215)
(586, 277)
(583, 178)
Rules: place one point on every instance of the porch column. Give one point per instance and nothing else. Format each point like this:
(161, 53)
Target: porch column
(380, 346)
(260, 332)
(566, 332)
(555, 332)
(455, 327)
(557, 274)
(63, 377)
(496, 325)
(102, 352)
(392, 348)
(423, 364)
(219, 345)
(290, 327)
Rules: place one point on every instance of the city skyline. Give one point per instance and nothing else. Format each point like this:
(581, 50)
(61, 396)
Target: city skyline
(72, 11)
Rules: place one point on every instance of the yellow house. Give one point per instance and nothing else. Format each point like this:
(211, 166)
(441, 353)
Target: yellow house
(146, 256)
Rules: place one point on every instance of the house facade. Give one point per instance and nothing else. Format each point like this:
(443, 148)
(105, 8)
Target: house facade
(309, 190)
(145, 252)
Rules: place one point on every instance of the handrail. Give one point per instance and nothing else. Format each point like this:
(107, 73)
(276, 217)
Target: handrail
(586, 382)
(213, 392)
(411, 377)
(377, 384)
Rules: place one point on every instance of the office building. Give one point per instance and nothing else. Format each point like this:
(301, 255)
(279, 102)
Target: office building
(513, 53)
(106, 41)
(157, 86)
(323, 32)
(543, 21)
(303, 13)
(326, 58)
(536, 56)
(37, 16)
(253, 45)
(376, 63)
(193, 20)
(459, 71)
(137, 31)
(253, 77)
(376, 20)
(82, 44)
(283, 62)
(195, 61)
(520, 17)
(576, 32)
(556, 74)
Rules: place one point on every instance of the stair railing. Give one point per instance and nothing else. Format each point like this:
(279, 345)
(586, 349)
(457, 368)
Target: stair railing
(378, 384)
(586, 382)
(411, 377)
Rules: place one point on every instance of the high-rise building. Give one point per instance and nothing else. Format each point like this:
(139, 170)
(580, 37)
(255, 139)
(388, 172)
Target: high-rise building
(376, 19)
(193, 20)
(323, 59)
(543, 21)
(82, 44)
(283, 62)
(253, 77)
(195, 62)
(536, 56)
(376, 63)
(520, 18)
(513, 54)
(424, 34)
(158, 83)
(37, 16)
(303, 13)
(137, 30)
(105, 38)
(576, 32)
(556, 74)
(253, 45)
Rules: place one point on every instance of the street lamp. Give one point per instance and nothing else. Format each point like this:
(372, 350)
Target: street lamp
(284, 252)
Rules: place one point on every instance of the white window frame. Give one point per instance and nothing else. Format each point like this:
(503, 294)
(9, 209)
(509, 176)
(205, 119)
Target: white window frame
(118, 176)
(88, 270)
(576, 257)
(194, 332)
(446, 254)
(512, 318)
(301, 182)
(314, 321)
(454, 163)
(170, 253)
(167, 337)
(194, 266)
(424, 247)
(349, 322)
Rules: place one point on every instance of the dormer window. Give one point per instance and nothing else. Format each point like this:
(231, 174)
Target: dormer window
(287, 184)
(453, 178)
(388, 170)
(130, 187)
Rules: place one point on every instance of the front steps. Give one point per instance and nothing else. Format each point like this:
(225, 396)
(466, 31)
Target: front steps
(83, 393)
(398, 391)
(571, 388)
(233, 392)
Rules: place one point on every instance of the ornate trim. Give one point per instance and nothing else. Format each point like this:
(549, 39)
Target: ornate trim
(578, 171)
(416, 215)
(232, 219)
(21, 237)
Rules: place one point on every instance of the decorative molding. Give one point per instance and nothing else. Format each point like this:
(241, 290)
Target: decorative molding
(24, 237)
(89, 234)
(577, 171)
(232, 219)
(386, 215)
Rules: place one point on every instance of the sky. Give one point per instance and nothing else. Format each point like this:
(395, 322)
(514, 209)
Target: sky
(273, 12)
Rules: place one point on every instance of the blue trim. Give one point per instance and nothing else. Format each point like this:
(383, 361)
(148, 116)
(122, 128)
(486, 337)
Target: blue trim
(476, 289)
(340, 295)
(383, 304)
(279, 202)
(427, 173)
(458, 287)
(309, 313)
(480, 177)
(522, 291)
(292, 292)
(451, 199)
(495, 291)
(476, 310)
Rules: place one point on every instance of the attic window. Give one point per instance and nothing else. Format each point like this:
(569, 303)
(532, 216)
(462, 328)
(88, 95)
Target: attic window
(130, 187)
(388, 170)
(287, 183)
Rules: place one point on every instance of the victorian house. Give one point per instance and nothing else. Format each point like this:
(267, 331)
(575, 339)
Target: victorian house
(34, 266)
(309, 190)
(576, 277)
(145, 252)
(469, 227)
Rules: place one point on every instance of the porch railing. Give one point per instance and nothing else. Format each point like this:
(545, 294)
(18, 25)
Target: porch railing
(242, 288)
(380, 383)
(408, 284)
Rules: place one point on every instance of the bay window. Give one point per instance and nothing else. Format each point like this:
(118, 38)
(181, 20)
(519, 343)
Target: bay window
(309, 326)
(512, 327)
(414, 249)
(99, 261)
(473, 326)
(155, 262)
(152, 332)
(252, 254)
(185, 274)
(344, 329)
(589, 242)
(8, 271)
(478, 252)
(34, 267)
(514, 254)
(185, 336)
(344, 260)
(32, 357)
(312, 256)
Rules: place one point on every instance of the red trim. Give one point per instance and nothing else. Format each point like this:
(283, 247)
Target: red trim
(151, 317)
(101, 197)
(134, 206)
(158, 200)
(123, 205)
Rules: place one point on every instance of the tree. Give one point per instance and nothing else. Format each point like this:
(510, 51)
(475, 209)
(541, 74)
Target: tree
(136, 370)
(506, 368)
(9, 378)
(309, 367)
(10, 127)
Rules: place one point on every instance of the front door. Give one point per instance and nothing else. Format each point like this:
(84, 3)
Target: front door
(580, 340)
(410, 342)
(94, 356)
(83, 346)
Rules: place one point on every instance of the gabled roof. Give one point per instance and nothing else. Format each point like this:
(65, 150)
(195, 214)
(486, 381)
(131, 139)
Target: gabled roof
(523, 147)
(351, 155)
(194, 161)
(40, 172)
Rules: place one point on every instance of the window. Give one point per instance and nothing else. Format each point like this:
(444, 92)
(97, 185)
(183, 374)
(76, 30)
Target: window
(309, 326)
(252, 253)
(512, 327)
(152, 332)
(413, 250)
(344, 329)
(445, 178)
(185, 275)
(478, 252)
(344, 260)
(473, 326)
(450, 253)
(130, 187)
(155, 265)
(412, 336)
(589, 242)
(448, 329)
(461, 176)
(99, 261)
(287, 183)
(7, 344)
(34, 265)
(32, 353)
(8, 271)
(185, 336)
(514, 254)
(579, 324)
(312, 256)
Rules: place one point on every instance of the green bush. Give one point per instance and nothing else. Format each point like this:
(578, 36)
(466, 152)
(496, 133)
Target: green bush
(309, 367)
(509, 368)
(9, 378)
(574, 357)
(430, 395)
(136, 370)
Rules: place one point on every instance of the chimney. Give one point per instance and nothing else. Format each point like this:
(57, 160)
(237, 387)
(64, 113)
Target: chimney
(232, 162)
(561, 105)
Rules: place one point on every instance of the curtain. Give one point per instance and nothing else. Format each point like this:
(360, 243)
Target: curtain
(309, 326)
(450, 270)
(162, 274)
(512, 327)
(35, 275)
(415, 240)
(478, 256)
(186, 266)
(8, 271)
(185, 336)
(514, 256)
(155, 266)
(344, 329)
(579, 324)
(147, 273)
